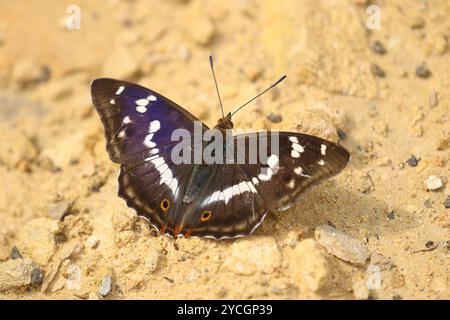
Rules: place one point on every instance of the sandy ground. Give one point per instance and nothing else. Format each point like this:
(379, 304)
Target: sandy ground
(385, 91)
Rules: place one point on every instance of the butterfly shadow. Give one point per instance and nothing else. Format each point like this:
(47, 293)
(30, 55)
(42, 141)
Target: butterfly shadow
(356, 213)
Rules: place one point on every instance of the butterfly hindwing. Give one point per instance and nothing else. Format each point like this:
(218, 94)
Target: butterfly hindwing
(302, 160)
(229, 206)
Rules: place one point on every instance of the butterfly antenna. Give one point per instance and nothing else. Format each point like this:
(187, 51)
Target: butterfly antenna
(260, 94)
(215, 82)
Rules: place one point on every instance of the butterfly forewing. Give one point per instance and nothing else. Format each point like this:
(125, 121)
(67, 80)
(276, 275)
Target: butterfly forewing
(138, 126)
(136, 119)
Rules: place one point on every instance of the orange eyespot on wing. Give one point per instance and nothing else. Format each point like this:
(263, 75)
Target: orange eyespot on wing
(206, 215)
(165, 205)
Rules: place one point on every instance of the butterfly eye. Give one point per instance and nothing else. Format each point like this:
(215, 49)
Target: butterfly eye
(206, 215)
(165, 204)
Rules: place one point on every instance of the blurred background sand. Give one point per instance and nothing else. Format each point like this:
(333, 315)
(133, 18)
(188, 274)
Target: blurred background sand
(384, 93)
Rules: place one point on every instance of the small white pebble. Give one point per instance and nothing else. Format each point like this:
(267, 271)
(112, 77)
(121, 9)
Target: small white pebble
(92, 242)
(433, 183)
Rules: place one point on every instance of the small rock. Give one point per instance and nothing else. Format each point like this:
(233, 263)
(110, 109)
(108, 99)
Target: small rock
(124, 221)
(413, 161)
(422, 71)
(258, 254)
(433, 183)
(16, 273)
(341, 245)
(37, 276)
(390, 215)
(443, 143)
(15, 254)
(66, 150)
(378, 47)
(253, 72)
(360, 290)
(447, 203)
(59, 209)
(151, 262)
(73, 277)
(89, 170)
(341, 134)
(416, 23)
(16, 148)
(121, 64)
(192, 275)
(397, 279)
(310, 267)
(443, 219)
(201, 30)
(92, 242)
(316, 123)
(36, 239)
(292, 238)
(381, 261)
(433, 99)
(26, 73)
(106, 286)
(275, 118)
(377, 71)
(430, 244)
(60, 258)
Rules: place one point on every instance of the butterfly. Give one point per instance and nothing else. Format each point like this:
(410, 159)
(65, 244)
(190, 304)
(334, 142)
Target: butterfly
(218, 200)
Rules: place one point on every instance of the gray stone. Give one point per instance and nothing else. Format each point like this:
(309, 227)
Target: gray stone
(17, 273)
(341, 245)
(105, 286)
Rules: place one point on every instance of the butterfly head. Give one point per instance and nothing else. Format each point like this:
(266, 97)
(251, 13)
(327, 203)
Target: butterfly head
(225, 122)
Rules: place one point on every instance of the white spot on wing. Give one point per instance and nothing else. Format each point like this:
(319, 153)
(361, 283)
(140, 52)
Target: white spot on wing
(323, 149)
(255, 181)
(155, 125)
(236, 190)
(293, 139)
(244, 187)
(298, 147)
(126, 120)
(227, 194)
(112, 101)
(173, 185)
(265, 176)
(141, 109)
(299, 171)
(151, 98)
(321, 162)
(148, 141)
(120, 90)
(273, 161)
(166, 175)
(291, 184)
(142, 102)
(295, 154)
(158, 161)
(251, 186)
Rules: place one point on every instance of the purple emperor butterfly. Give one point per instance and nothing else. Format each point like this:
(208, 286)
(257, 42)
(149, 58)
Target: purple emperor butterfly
(219, 200)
